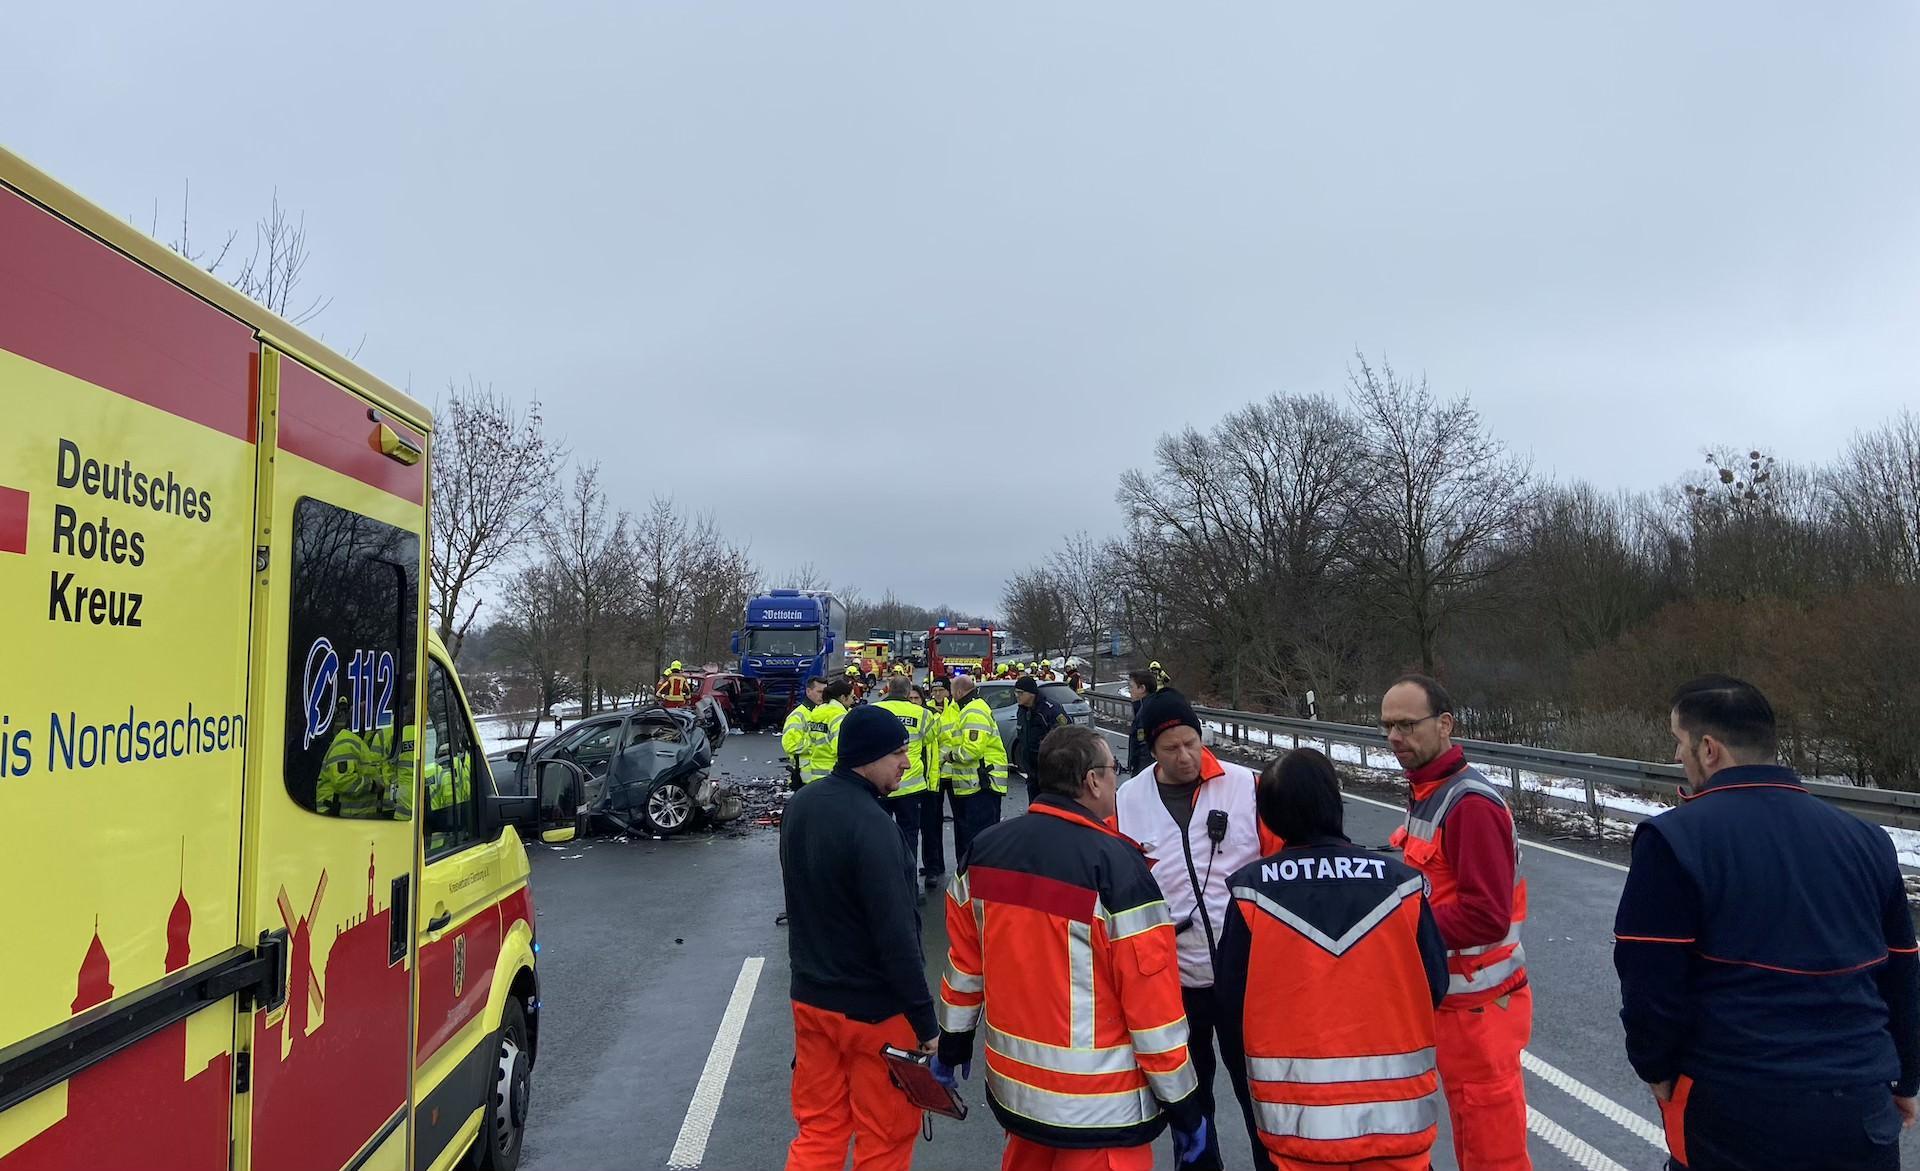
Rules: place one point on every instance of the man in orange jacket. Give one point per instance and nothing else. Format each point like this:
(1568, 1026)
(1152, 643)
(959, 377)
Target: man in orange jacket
(1459, 834)
(1086, 1036)
(1346, 965)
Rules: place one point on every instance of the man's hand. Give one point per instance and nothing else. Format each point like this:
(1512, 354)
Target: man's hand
(1909, 1110)
(947, 1075)
(1662, 1091)
(1189, 1145)
(931, 1044)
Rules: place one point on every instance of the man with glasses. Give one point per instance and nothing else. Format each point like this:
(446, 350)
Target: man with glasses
(1459, 833)
(1086, 1059)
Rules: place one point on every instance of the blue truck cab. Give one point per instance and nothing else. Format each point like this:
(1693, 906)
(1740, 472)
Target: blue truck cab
(789, 636)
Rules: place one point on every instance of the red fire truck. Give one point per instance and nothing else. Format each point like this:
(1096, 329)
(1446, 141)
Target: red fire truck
(959, 647)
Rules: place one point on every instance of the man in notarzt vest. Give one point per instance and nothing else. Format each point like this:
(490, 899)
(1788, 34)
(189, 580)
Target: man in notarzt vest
(823, 730)
(1328, 975)
(1195, 818)
(1459, 833)
(905, 802)
(1769, 982)
(675, 688)
(794, 736)
(975, 759)
(1061, 955)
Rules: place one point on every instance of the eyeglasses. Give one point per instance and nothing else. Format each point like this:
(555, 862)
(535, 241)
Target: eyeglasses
(1105, 768)
(1405, 726)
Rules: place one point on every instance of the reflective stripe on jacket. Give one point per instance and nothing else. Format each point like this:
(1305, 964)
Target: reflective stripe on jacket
(823, 740)
(1331, 966)
(1183, 863)
(915, 718)
(1476, 974)
(974, 748)
(1062, 954)
(793, 733)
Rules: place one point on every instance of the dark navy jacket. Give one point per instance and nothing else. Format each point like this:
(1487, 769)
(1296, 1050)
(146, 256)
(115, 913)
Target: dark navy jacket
(1763, 940)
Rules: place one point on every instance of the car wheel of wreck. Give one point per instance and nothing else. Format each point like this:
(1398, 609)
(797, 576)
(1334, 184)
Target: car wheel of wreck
(669, 808)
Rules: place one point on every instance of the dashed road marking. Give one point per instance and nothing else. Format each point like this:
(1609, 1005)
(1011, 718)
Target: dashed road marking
(691, 1146)
(1582, 1153)
(1594, 1100)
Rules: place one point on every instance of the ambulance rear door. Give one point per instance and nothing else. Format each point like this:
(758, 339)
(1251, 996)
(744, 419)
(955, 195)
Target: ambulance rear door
(331, 801)
(127, 460)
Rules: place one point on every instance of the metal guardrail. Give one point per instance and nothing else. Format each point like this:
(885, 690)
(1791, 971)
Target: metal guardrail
(1662, 781)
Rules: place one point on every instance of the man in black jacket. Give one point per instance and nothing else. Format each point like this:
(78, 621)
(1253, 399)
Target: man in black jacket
(1038, 716)
(854, 945)
(1768, 977)
(1140, 684)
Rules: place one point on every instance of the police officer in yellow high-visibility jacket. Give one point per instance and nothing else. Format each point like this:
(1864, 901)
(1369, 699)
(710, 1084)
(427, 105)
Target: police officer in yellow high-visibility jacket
(976, 761)
(354, 777)
(904, 802)
(823, 730)
(794, 734)
(933, 854)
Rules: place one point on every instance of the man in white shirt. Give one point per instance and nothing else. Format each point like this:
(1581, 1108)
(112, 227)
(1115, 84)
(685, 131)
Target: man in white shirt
(1195, 817)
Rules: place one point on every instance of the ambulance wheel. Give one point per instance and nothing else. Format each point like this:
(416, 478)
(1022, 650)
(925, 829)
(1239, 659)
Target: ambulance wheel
(669, 808)
(504, 1126)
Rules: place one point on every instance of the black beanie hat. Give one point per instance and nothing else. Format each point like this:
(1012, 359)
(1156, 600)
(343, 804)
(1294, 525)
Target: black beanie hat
(1165, 710)
(867, 734)
(1027, 684)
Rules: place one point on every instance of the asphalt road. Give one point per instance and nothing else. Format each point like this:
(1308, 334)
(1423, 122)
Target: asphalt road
(646, 944)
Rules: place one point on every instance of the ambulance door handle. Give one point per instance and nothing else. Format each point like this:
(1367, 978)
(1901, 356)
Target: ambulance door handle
(439, 921)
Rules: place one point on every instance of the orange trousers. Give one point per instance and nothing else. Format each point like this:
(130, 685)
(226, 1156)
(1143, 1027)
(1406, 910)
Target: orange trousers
(841, 1094)
(1022, 1155)
(1404, 1163)
(1478, 1051)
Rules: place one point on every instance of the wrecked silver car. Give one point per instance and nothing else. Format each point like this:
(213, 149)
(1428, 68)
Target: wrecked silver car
(647, 767)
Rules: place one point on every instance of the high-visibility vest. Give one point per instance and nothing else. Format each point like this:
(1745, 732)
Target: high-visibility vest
(1324, 969)
(973, 746)
(354, 780)
(915, 718)
(823, 741)
(1060, 957)
(1476, 975)
(935, 744)
(1182, 862)
(793, 733)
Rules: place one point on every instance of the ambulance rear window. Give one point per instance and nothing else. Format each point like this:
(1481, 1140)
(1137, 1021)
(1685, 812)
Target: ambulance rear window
(353, 630)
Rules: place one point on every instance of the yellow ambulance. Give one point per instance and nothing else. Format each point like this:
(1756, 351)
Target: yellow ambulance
(262, 908)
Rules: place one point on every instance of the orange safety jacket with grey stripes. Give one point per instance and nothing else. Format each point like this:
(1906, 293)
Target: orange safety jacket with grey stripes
(1061, 953)
(1489, 971)
(1346, 966)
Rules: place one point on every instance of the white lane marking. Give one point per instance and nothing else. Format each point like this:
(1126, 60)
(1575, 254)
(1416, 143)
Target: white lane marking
(1573, 1147)
(1594, 1100)
(691, 1146)
(1529, 843)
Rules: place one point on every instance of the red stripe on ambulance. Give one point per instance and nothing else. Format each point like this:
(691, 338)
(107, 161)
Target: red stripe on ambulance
(71, 303)
(321, 422)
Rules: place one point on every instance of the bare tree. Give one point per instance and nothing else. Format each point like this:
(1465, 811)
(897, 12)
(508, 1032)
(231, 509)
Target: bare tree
(805, 576)
(272, 273)
(1035, 607)
(1876, 492)
(590, 551)
(1081, 567)
(1444, 505)
(541, 633)
(494, 477)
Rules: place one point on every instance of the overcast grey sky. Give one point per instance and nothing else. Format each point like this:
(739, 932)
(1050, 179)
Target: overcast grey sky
(729, 244)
